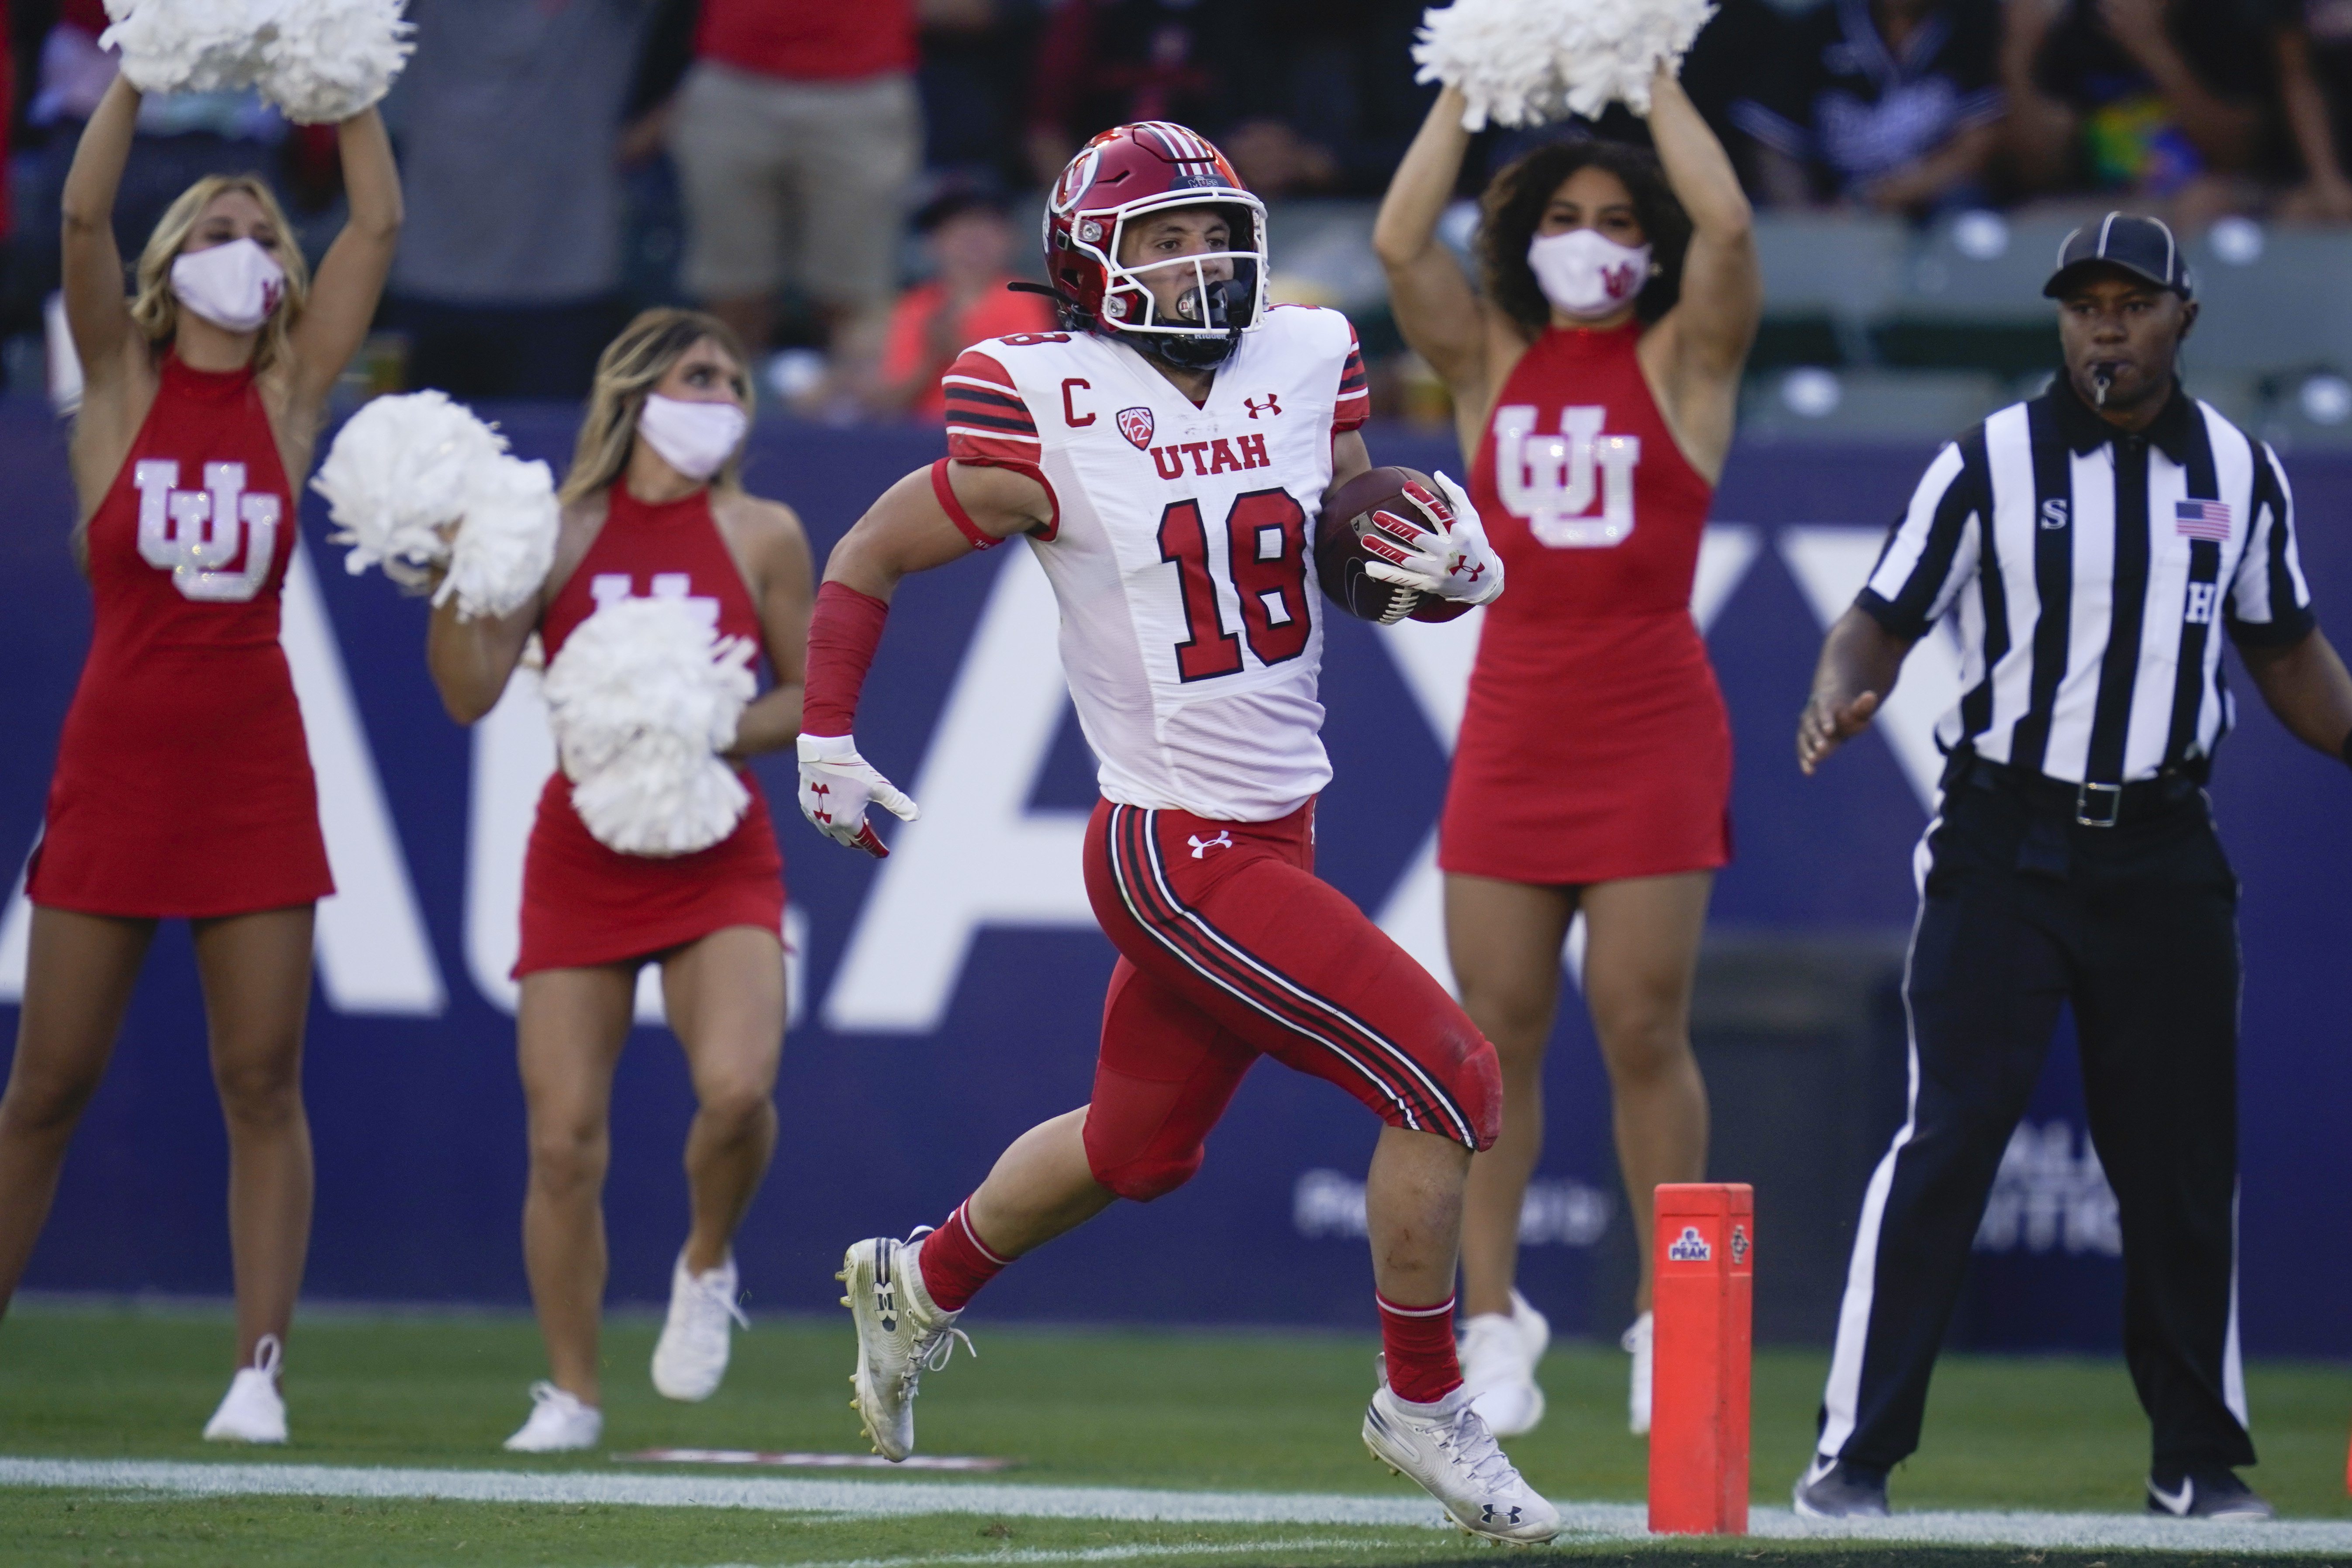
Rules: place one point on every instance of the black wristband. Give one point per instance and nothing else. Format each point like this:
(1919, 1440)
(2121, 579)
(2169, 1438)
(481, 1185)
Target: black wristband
(2347, 751)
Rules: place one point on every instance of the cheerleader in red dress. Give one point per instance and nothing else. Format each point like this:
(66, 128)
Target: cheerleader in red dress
(1595, 381)
(652, 507)
(183, 787)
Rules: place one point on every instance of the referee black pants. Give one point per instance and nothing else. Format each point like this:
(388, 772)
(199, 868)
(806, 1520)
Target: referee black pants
(2022, 909)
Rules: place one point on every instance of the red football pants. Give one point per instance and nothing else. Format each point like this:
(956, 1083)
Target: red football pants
(1232, 948)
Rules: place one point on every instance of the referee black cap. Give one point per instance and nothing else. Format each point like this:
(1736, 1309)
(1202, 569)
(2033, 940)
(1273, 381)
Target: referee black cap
(2140, 245)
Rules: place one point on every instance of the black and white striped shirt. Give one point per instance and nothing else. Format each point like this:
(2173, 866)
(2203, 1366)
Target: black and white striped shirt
(2085, 567)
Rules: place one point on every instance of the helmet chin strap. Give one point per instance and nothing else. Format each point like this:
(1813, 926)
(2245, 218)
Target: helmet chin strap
(1213, 345)
(1204, 351)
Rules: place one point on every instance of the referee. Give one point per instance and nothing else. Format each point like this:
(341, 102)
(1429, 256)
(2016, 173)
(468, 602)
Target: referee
(2088, 545)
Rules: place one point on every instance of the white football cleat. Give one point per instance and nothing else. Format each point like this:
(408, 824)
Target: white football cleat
(253, 1411)
(900, 1336)
(559, 1424)
(1445, 1449)
(1636, 1343)
(1498, 1366)
(692, 1355)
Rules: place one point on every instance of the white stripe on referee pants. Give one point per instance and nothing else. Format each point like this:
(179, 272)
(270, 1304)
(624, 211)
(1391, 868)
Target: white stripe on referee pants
(1844, 1391)
(2233, 1367)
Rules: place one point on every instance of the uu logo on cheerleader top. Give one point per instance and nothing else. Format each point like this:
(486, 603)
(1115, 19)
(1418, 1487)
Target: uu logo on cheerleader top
(1553, 481)
(1690, 1246)
(195, 534)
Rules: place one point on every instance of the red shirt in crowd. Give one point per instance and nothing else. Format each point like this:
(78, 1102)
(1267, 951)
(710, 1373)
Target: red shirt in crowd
(809, 40)
(997, 313)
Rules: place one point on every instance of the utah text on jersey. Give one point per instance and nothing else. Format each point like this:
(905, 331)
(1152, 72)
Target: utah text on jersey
(1181, 547)
(198, 536)
(1552, 481)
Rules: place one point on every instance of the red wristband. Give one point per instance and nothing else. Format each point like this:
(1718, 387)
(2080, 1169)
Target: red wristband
(843, 631)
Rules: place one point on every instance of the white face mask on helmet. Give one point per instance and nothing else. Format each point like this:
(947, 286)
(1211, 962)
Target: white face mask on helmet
(236, 286)
(695, 439)
(1586, 274)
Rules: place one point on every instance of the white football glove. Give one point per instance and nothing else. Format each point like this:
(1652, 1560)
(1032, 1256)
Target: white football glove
(1475, 576)
(836, 786)
(1442, 553)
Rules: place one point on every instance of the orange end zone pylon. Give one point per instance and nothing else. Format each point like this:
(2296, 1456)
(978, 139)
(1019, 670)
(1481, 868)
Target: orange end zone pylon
(1698, 1399)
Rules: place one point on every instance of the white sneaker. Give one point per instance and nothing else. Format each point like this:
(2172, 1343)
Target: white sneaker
(253, 1411)
(1498, 1366)
(692, 1355)
(1445, 1449)
(1636, 1343)
(900, 1336)
(559, 1424)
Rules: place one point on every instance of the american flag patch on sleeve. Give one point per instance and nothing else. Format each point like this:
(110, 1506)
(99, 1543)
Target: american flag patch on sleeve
(2202, 520)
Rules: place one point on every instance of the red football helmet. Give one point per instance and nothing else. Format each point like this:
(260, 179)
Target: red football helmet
(1150, 167)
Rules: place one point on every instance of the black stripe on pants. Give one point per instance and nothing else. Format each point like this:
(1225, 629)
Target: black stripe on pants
(2022, 910)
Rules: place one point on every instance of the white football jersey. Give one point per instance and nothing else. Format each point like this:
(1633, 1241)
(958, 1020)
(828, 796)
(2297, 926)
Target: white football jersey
(1182, 548)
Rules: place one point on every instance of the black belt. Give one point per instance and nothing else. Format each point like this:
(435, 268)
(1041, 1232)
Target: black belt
(2088, 805)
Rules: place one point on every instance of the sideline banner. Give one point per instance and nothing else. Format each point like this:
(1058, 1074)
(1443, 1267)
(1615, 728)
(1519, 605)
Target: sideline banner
(947, 998)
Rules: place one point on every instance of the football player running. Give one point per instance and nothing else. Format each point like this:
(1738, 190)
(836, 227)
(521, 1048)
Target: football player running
(1166, 457)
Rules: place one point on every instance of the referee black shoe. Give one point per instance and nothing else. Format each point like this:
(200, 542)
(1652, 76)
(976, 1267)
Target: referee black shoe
(2204, 1494)
(1832, 1488)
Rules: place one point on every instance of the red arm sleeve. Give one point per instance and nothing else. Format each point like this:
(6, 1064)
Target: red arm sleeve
(1354, 405)
(845, 629)
(990, 426)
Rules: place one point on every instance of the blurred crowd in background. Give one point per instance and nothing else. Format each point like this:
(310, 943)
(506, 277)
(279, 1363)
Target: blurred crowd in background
(851, 184)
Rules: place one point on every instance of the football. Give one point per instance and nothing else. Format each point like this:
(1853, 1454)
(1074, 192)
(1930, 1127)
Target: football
(1340, 555)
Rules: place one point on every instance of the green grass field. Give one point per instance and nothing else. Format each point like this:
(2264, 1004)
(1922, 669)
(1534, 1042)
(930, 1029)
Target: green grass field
(1254, 1412)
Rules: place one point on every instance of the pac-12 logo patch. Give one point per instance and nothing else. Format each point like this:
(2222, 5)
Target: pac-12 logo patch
(1690, 1246)
(1135, 424)
(1738, 1245)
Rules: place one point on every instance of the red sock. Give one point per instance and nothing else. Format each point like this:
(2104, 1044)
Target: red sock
(1419, 1341)
(955, 1263)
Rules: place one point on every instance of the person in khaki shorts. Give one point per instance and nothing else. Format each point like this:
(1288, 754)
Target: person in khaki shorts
(798, 132)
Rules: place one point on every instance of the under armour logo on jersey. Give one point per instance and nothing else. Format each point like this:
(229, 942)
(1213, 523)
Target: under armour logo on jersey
(194, 535)
(1271, 405)
(1553, 481)
(608, 586)
(1489, 1514)
(1200, 846)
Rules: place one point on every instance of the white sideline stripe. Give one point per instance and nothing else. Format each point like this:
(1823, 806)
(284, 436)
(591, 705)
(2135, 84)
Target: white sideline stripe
(777, 1493)
(1083, 1553)
(1617, 1521)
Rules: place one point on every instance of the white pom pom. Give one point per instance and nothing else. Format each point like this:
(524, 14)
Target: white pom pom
(399, 472)
(1520, 62)
(643, 697)
(505, 540)
(328, 59)
(191, 46)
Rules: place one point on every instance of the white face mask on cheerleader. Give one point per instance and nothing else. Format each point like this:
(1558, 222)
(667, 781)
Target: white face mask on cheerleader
(236, 286)
(1586, 274)
(695, 439)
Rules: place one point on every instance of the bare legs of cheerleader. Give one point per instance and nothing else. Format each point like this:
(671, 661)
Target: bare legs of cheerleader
(255, 972)
(725, 997)
(1641, 959)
